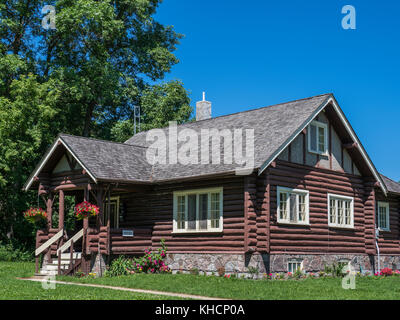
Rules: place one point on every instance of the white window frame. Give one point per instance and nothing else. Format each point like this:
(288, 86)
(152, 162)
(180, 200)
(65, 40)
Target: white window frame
(295, 261)
(387, 216)
(198, 192)
(324, 126)
(337, 198)
(297, 192)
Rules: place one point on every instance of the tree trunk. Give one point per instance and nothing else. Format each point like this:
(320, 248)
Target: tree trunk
(88, 119)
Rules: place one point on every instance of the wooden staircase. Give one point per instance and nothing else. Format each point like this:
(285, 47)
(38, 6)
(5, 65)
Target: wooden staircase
(66, 265)
(63, 263)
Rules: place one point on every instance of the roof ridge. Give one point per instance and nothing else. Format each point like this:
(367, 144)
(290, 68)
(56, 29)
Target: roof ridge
(389, 179)
(101, 140)
(240, 112)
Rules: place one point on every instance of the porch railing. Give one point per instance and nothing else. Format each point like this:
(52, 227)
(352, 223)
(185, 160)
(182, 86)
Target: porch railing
(47, 246)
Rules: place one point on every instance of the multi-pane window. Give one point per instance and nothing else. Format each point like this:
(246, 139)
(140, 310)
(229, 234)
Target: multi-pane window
(383, 216)
(318, 137)
(198, 210)
(293, 206)
(294, 265)
(340, 211)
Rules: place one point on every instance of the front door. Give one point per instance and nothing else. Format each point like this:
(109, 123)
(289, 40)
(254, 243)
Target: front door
(113, 213)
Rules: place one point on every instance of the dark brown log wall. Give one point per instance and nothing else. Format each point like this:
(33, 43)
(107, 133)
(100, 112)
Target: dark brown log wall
(318, 237)
(389, 242)
(154, 209)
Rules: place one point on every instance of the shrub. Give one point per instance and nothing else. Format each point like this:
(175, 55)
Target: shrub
(253, 270)
(194, 271)
(221, 271)
(10, 254)
(119, 267)
(386, 272)
(152, 262)
(336, 269)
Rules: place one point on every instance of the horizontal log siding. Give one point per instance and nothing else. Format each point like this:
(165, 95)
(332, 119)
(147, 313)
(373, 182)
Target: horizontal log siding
(318, 237)
(389, 242)
(154, 209)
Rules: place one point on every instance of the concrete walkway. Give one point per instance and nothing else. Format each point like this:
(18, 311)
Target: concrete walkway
(160, 293)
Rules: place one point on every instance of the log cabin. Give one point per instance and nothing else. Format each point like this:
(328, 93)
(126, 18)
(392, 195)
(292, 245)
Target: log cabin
(312, 196)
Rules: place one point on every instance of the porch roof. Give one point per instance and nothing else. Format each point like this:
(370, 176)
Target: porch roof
(102, 160)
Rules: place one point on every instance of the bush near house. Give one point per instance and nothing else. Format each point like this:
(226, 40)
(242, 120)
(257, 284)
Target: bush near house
(150, 262)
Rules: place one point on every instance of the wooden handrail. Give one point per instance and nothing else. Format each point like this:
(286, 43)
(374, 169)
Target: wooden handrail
(74, 239)
(49, 242)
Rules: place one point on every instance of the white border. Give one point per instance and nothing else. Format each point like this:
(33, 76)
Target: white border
(298, 191)
(219, 190)
(340, 197)
(324, 126)
(386, 205)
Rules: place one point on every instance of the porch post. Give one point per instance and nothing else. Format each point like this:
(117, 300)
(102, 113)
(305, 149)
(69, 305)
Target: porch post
(99, 201)
(85, 259)
(61, 211)
(49, 207)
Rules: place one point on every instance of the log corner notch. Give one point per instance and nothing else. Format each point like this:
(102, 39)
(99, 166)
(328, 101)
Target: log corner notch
(351, 145)
(250, 216)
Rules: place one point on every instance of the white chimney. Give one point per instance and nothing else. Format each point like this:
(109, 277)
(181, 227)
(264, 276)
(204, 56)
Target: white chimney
(203, 109)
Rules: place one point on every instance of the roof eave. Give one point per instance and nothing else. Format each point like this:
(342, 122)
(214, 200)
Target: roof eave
(47, 156)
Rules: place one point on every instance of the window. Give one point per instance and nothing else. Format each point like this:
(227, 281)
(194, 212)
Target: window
(318, 137)
(383, 216)
(198, 211)
(294, 265)
(293, 206)
(340, 211)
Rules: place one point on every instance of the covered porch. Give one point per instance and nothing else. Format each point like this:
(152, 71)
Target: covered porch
(62, 181)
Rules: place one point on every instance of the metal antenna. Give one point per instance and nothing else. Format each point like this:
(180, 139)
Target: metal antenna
(204, 96)
(136, 115)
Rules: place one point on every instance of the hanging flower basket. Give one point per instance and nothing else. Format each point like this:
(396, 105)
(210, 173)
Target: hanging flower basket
(35, 215)
(86, 210)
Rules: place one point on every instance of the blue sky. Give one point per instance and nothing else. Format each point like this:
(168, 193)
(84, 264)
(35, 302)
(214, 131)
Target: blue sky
(253, 54)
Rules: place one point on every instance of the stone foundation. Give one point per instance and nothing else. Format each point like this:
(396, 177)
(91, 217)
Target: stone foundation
(273, 263)
(217, 263)
(98, 264)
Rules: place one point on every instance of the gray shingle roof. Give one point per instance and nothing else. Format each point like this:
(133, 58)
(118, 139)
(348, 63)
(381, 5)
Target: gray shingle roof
(272, 127)
(109, 160)
(392, 186)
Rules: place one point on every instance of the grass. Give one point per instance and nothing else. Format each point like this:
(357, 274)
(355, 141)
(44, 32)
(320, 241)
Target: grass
(15, 289)
(367, 288)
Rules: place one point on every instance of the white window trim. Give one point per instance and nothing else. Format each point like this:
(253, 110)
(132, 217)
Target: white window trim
(340, 197)
(298, 191)
(387, 206)
(297, 261)
(197, 192)
(323, 125)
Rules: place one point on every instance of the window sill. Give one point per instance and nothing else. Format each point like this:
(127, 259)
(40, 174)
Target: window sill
(197, 232)
(324, 154)
(384, 230)
(341, 227)
(294, 224)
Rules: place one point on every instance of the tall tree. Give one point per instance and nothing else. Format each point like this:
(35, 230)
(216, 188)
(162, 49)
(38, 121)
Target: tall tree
(82, 78)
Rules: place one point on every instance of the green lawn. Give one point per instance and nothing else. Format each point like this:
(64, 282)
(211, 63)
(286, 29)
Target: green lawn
(14, 289)
(327, 288)
(324, 288)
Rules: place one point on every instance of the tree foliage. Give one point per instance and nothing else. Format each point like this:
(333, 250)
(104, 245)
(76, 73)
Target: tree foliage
(83, 78)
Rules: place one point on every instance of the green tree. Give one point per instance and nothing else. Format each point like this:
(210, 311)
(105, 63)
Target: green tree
(82, 78)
